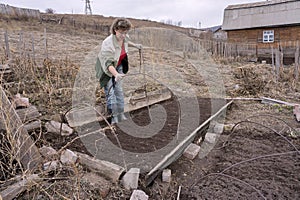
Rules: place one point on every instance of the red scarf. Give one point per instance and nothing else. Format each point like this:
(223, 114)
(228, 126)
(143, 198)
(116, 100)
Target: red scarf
(122, 55)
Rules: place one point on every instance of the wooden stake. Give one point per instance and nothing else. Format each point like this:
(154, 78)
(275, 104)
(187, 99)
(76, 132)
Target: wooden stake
(7, 51)
(45, 43)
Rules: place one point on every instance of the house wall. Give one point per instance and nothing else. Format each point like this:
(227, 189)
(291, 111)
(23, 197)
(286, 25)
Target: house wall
(287, 39)
(283, 35)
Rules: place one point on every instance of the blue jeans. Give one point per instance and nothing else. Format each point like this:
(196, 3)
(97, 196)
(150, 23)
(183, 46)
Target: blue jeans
(114, 95)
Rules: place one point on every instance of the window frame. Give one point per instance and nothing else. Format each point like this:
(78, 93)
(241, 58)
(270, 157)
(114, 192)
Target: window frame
(268, 36)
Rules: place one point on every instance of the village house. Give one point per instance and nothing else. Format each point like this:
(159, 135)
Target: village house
(269, 26)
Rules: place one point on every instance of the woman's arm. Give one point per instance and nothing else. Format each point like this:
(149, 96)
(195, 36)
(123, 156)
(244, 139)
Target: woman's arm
(138, 46)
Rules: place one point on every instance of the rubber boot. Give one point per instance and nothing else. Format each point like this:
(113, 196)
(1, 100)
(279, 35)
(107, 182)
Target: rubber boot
(122, 117)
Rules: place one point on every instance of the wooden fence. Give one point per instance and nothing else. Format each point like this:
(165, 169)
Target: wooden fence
(284, 53)
(18, 12)
(24, 45)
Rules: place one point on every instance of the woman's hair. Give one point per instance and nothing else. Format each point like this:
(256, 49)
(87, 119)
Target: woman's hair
(122, 24)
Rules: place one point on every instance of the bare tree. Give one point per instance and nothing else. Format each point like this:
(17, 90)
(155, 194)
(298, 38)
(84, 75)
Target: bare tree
(50, 11)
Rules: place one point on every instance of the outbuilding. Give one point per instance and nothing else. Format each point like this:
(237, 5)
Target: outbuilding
(269, 26)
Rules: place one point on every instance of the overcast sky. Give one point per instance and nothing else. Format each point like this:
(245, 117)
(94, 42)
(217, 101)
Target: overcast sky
(189, 12)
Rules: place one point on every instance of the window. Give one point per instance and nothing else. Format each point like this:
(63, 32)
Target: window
(268, 36)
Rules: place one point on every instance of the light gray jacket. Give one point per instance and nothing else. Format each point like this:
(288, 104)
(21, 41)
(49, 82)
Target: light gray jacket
(108, 56)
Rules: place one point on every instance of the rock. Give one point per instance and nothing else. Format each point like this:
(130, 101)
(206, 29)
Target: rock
(139, 195)
(68, 157)
(210, 138)
(48, 152)
(166, 175)
(131, 178)
(19, 101)
(218, 128)
(51, 165)
(54, 127)
(191, 151)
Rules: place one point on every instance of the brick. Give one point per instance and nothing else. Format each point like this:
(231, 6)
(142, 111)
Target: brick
(218, 128)
(166, 175)
(210, 138)
(191, 151)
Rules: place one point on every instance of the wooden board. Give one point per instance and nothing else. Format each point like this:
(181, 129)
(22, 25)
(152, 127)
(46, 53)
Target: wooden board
(87, 114)
(25, 149)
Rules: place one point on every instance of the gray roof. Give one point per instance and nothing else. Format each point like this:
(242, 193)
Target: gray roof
(261, 14)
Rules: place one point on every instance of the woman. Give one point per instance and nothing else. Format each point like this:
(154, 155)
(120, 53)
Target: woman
(112, 64)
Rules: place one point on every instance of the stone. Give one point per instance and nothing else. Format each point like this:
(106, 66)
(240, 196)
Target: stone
(19, 101)
(191, 151)
(218, 128)
(51, 165)
(139, 195)
(166, 175)
(131, 178)
(210, 138)
(48, 152)
(68, 157)
(54, 127)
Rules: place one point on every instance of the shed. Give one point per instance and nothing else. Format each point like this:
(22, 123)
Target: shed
(268, 24)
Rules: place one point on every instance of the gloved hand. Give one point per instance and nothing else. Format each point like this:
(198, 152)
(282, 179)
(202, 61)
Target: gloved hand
(138, 46)
(119, 77)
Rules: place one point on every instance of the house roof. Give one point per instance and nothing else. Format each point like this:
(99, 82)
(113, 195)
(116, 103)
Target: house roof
(261, 14)
(214, 28)
(257, 4)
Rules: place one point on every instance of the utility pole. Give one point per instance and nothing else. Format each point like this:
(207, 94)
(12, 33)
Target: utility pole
(88, 9)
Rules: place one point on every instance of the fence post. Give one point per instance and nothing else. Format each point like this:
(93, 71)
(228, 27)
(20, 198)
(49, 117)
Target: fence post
(277, 62)
(33, 53)
(272, 51)
(297, 60)
(7, 51)
(45, 43)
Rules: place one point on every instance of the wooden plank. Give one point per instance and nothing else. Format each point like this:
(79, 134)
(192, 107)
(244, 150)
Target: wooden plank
(7, 50)
(86, 114)
(14, 190)
(143, 101)
(28, 114)
(178, 150)
(25, 150)
(297, 59)
(33, 125)
(267, 100)
(106, 169)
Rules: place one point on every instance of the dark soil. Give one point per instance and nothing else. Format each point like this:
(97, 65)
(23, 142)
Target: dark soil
(167, 133)
(254, 161)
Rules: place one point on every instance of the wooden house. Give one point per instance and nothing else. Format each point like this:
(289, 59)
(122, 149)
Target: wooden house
(268, 25)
